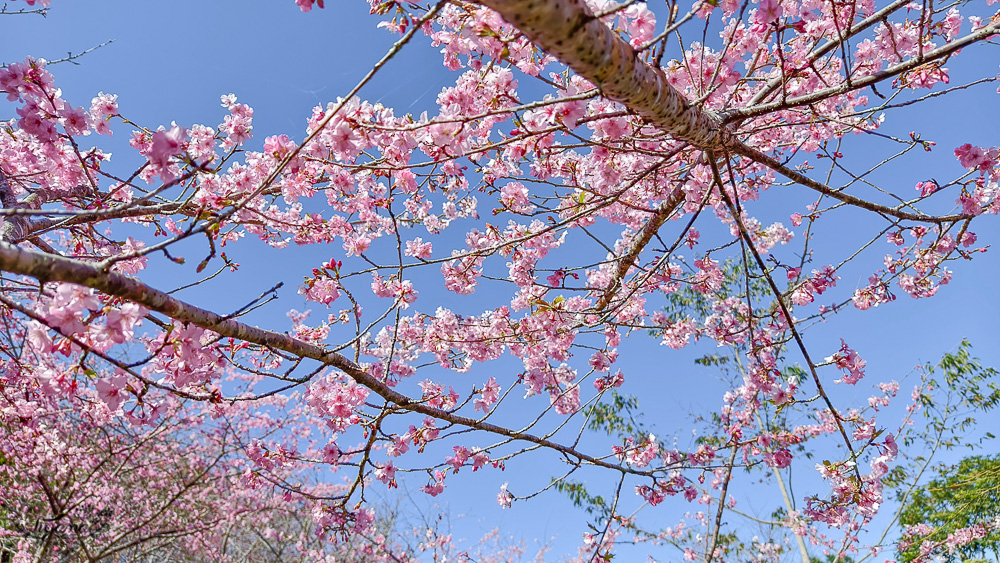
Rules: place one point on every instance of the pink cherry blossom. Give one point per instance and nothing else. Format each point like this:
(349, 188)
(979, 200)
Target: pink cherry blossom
(769, 11)
(849, 360)
(490, 394)
(112, 392)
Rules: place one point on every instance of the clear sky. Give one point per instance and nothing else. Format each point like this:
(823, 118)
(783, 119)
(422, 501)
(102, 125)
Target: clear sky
(170, 62)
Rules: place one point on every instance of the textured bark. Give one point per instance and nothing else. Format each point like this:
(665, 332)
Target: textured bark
(569, 31)
(638, 244)
(15, 227)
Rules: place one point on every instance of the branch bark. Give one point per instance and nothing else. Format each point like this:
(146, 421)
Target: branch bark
(569, 31)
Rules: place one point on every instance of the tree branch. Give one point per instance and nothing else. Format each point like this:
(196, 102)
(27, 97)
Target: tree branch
(568, 30)
(50, 267)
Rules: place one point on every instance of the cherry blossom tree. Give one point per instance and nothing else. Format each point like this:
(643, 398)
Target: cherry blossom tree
(85, 489)
(473, 274)
(80, 487)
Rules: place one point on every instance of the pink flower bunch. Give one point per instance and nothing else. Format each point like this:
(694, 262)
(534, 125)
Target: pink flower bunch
(848, 359)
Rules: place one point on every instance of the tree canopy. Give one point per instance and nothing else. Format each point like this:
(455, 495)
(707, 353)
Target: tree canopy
(230, 345)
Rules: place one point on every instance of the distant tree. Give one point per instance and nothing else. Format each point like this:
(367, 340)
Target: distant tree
(79, 486)
(175, 490)
(955, 517)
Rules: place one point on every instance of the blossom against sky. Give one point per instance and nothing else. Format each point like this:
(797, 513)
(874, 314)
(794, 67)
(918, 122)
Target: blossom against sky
(171, 62)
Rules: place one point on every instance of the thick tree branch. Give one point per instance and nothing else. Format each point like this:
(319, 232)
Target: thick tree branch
(568, 30)
(13, 227)
(640, 241)
(17, 227)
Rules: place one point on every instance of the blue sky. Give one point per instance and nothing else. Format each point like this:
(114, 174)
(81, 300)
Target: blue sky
(171, 61)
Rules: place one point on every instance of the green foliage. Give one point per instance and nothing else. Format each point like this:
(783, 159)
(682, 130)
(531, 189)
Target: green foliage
(967, 493)
(794, 374)
(969, 389)
(711, 360)
(970, 379)
(956, 392)
(617, 417)
(581, 498)
(686, 301)
(832, 558)
(963, 495)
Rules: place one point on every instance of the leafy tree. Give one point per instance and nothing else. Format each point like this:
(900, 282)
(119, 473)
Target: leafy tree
(955, 515)
(498, 247)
